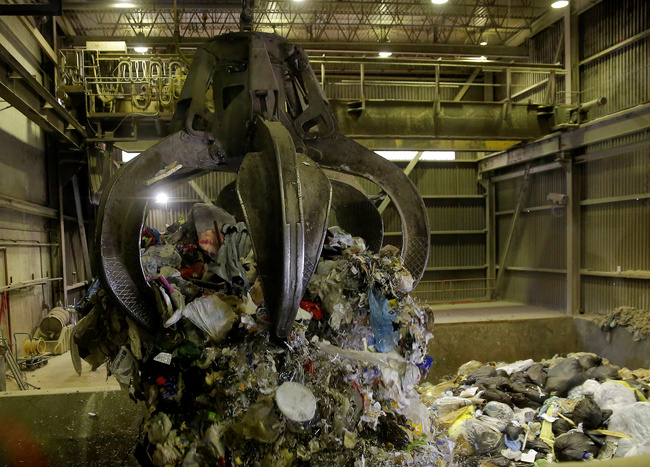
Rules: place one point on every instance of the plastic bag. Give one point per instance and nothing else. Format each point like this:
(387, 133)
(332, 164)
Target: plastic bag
(122, 366)
(589, 361)
(588, 413)
(156, 257)
(588, 388)
(521, 365)
(633, 420)
(564, 376)
(611, 395)
(485, 371)
(447, 404)
(499, 410)
(212, 315)
(480, 437)
(603, 373)
(536, 374)
(381, 321)
(575, 446)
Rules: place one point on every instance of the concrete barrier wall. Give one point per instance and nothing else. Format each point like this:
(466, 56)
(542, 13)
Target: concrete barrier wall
(511, 340)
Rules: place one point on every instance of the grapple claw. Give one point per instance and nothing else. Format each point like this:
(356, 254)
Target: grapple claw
(270, 117)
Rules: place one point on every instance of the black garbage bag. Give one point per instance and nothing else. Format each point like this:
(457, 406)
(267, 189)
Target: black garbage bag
(564, 376)
(533, 392)
(497, 396)
(494, 382)
(575, 446)
(536, 374)
(522, 401)
(590, 361)
(540, 446)
(588, 413)
(561, 426)
(602, 373)
(485, 371)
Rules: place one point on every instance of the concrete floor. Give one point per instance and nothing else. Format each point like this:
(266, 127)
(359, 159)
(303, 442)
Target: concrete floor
(60, 374)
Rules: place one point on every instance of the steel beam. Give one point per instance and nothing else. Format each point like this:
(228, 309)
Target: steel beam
(387, 120)
(449, 50)
(20, 89)
(27, 207)
(603, 129)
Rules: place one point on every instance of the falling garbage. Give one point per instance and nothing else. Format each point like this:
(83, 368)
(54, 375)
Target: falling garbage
(346, 387)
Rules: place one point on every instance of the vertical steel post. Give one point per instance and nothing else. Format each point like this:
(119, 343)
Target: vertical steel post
(573, 239)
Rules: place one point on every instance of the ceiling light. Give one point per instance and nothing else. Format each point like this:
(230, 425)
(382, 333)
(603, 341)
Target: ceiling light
(162, 198)
(124, 5)
(484, 43)
(385, 54)
(559, 4)
(439, 2)
(141, 49)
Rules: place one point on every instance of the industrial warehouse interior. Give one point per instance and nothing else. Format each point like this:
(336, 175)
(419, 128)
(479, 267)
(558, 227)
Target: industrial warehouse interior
(324, 233)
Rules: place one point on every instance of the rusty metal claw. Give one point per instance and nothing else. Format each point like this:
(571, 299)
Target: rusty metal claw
(270, 122)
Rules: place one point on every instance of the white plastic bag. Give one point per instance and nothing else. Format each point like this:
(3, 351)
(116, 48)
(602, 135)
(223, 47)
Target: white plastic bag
(611, 395)
(212, 315)
(633, 420)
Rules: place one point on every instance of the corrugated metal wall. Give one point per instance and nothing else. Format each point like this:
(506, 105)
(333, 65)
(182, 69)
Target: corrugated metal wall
(456, 270)
(615, 225)
(539, 241)
(543, 49)
(622, 76)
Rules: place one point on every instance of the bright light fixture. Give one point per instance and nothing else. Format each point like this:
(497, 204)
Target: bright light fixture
(385, 54)
(439, 2)
(426, 155)
(141, 49)
(484, 43)
(559, 4)
(124, 5)
(162, 198)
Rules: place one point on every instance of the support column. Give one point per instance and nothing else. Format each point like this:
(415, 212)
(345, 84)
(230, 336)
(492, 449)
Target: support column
(491, 237)
(573, 239)
(571, 58)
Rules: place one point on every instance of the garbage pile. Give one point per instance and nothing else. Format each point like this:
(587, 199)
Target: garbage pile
(576, 408)
(221, 391)
(635, 320)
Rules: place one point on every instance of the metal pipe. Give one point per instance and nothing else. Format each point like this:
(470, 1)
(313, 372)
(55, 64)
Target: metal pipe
(587, 106)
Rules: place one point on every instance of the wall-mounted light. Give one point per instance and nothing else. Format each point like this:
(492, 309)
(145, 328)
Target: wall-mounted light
(559, 4)
(162, 198)
(385, 54)
(483, 42)
(439, 2)
(141, 49)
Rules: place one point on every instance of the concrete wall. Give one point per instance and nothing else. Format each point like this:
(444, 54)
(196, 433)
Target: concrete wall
(508, 341)
(23, 176)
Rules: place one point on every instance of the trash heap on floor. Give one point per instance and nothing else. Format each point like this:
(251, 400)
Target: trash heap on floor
(221, 391)
(577, 408)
